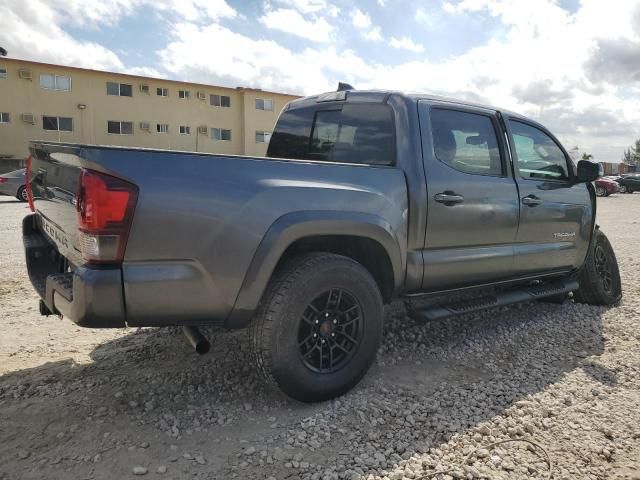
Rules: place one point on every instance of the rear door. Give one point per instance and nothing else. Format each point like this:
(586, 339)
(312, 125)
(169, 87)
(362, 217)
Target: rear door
(472, 206)
(555, 212)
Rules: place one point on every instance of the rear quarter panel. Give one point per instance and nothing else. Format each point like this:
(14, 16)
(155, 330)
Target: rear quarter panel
(200, 218)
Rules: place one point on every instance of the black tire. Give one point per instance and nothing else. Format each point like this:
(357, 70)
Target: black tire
(623, 189)
(599, 278)
(22, 194)
(290, 312)
(601, 192)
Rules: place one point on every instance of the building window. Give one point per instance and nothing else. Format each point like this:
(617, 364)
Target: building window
(262, 104)
(3, 73)
(183, 94)
(120, 128)
(185, 130)
(263, 137)
(162, 92)
(4, 117)
(220, 100)
(119, 89)
(55, 82)
(162, 128)
(220, 134)
(62, 124)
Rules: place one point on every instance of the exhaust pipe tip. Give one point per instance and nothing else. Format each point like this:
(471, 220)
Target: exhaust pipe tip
(198, 341)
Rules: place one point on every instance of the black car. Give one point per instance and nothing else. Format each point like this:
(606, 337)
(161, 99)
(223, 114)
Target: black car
(629, 183)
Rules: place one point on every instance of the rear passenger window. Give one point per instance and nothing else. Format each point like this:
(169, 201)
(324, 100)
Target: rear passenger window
(357, 133)
(466, 142)
(539, 157)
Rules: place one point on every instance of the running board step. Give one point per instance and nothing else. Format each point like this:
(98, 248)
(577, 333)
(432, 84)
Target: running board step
(509, 297)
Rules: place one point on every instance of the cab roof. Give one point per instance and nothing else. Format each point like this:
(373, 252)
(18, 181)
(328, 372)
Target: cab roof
(373, 96)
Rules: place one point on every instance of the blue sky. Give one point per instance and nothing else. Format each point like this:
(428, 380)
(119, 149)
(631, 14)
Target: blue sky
(572, 64)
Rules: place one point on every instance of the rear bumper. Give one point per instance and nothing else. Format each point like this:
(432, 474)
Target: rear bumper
(91, 297)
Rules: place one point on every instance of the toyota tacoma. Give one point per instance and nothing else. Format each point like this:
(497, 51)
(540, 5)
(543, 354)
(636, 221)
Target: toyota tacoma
(364, 197)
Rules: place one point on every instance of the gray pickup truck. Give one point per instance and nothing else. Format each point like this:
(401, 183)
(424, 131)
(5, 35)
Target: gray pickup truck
(364, 197)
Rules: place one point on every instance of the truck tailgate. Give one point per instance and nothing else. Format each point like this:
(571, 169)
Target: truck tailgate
(54, 182)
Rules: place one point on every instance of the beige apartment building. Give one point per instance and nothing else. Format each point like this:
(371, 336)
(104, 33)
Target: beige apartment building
(39, 101)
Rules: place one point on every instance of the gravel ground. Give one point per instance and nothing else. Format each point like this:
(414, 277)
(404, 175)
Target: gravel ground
(89, 404)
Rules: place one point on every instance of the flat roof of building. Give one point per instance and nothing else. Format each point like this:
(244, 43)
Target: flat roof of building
(142, 77)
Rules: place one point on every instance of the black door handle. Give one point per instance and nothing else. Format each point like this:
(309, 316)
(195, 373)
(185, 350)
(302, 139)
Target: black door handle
(531, 201)
(448, 198)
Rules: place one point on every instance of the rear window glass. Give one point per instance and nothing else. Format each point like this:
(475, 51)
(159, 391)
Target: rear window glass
(357, 133)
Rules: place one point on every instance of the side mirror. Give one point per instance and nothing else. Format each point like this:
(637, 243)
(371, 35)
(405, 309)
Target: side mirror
(589, 171)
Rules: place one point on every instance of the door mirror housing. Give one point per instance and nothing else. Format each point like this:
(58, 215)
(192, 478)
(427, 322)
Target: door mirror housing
(589, 171)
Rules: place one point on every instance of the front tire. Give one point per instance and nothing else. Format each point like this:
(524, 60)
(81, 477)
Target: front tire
(623, 189)
(22, 194)
(601, 192)
(318, 327)
(599, 278)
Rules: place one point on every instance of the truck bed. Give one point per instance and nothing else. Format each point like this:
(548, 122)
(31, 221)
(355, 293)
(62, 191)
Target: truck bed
(200, 219)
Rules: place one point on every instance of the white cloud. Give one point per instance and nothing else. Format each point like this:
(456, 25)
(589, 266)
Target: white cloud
(360, 19)
(34, 29)
(147, 72)
(382, 3)
(291, 21)
(195, 10)
(425, 18)
(31, 29)
(312, 6)
(244, 61)
(405, 43)
(374, 34)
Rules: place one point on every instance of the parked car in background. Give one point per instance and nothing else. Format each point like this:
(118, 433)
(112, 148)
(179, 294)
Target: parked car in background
(13, 184)
(605, 187)
(629, 183)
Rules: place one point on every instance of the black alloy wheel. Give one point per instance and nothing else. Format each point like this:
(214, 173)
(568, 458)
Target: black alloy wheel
(603, 267)
(330, 332)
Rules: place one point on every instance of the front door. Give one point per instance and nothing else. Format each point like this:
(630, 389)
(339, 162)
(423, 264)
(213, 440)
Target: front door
(555, 212)
(472, 210)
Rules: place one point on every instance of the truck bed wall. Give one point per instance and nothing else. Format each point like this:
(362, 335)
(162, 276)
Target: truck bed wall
(200, 219)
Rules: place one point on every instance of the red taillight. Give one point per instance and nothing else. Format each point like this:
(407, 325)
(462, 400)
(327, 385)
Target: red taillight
(28, 185)
(3, 180)
(105, 206)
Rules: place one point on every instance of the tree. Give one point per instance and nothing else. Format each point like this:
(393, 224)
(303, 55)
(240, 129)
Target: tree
(635, 153)
(631, 156)
(587, 156)
(626, 156)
